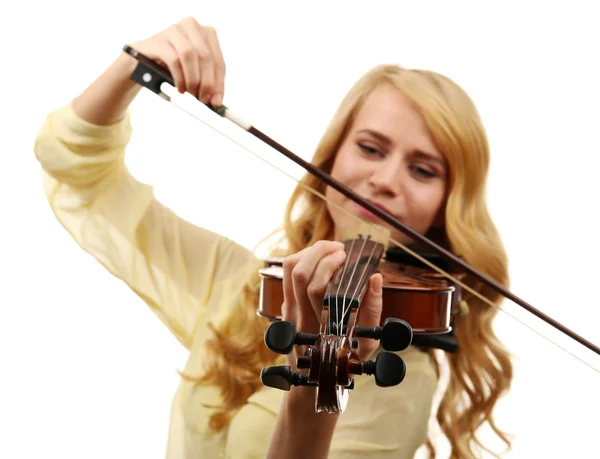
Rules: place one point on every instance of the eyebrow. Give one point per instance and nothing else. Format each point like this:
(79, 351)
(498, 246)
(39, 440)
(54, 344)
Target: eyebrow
(418, 153)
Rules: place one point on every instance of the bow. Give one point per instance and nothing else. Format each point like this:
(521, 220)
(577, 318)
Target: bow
(152, 76)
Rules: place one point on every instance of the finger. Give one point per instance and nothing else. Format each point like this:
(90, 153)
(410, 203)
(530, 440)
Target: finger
(302, 275)
(219, 66)
(292, 358)
(170, 58)
(188, 58)
(369, 314)
(288, 265)
(205, 59)
(289, 311)
(207, 84)
(198, 36)
(323, 273)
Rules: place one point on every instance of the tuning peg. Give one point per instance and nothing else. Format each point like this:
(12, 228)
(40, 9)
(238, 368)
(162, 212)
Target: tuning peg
(395, 335)
(281, 337)
(389, 369)
(282, 377)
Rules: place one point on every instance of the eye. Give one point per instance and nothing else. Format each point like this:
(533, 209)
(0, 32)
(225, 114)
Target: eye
(368, 149)
(423, 172)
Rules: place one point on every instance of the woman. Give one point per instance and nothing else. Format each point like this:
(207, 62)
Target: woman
(408, 140)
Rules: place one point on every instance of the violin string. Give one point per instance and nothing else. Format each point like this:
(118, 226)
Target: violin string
(327, 327)
(346, 305)
(327, 304)
(392, 240)
(362, 278)
(364, 281)
(364, 285)
(339, 320)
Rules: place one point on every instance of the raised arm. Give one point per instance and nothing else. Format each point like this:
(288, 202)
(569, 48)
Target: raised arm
(190, 51)
(171, 264)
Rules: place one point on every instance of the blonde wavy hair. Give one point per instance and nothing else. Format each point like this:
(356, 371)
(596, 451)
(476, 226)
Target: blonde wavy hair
(481, 371)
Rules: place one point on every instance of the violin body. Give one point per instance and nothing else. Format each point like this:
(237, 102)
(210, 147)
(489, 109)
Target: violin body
(422, 297)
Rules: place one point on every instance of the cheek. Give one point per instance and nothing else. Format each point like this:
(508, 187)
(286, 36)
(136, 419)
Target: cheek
(425, 206)
(350, 173)
(347, 176)
(340, 173)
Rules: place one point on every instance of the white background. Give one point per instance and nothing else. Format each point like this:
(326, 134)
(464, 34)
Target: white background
(87, 369)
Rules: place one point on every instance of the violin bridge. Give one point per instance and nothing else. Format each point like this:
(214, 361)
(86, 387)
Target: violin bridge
(376, 233)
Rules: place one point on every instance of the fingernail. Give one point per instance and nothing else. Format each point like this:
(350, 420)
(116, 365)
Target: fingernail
(216, 100)
(377, 284)
(339, 253)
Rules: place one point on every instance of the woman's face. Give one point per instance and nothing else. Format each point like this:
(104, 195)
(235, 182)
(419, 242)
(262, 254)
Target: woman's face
(390, 159)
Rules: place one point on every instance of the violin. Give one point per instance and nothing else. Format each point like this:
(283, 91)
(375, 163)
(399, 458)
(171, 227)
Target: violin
(419, 301)
(418, 307)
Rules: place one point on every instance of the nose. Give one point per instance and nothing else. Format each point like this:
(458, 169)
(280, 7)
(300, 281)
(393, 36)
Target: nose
(385, 178)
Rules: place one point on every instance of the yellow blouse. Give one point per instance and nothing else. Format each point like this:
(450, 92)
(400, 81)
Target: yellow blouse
(186, 275)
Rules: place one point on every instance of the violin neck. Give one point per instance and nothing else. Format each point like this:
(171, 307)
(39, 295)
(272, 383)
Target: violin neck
(347, 288)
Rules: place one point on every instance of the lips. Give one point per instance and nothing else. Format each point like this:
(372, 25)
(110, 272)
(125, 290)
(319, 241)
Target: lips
(367, 213)
(382, 207)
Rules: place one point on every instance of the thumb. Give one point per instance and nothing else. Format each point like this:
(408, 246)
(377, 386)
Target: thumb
(369, 315)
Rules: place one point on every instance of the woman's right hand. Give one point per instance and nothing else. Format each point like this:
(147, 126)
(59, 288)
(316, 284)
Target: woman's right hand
(193, 55)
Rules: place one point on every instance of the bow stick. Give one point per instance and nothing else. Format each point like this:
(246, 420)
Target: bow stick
(151, 75)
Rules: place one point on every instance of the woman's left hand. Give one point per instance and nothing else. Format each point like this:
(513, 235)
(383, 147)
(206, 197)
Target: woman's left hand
(305, 278)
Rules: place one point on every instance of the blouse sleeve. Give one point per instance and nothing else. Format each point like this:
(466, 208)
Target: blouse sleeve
(171, 264)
